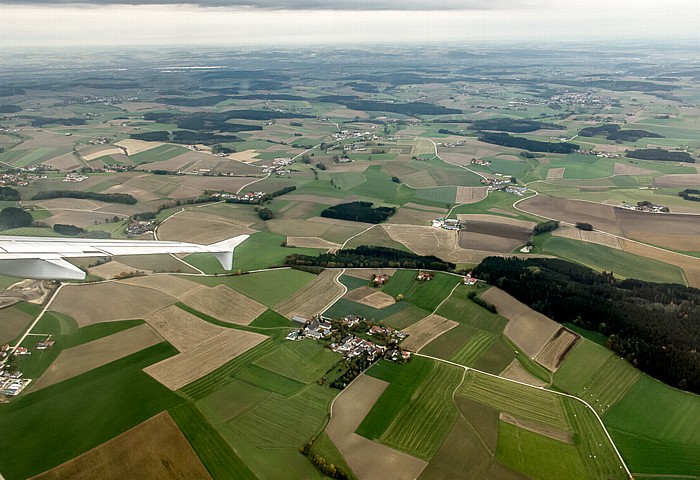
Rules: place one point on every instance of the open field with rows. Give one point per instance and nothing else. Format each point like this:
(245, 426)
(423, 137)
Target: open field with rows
(314, 297)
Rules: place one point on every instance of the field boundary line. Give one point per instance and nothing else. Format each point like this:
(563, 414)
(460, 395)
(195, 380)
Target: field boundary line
(36, 320)
(357, 235)
(600, 420)
(345, 290)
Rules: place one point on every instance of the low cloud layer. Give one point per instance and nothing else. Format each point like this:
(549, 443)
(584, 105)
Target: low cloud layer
(338, 5)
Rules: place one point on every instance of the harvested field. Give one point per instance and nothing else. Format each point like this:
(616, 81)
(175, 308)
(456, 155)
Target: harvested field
(492, 235)
(600, 238)
(437, 211)
(171, 285)
(433, 241)
(515, 371)
(12, 324)
(83, 358)
(101, 153)
(678, 180)
(367, 459)
(111, 269)
(557, 349)
(137, 146)
(109, 301)
(155, 449)
(425, 331)
(140, 194)
(316, 199)
(545, 430)
(627, 169)
(471, 194)
(370, 297)
(366, 273)
(528, 329)
(200, 227)
(311, 242)
(690, 265)
(181, 329)
(480, 217)
(602, 217)
(63, 162)
(180, 370)
(225, 304)
(314, 297)
(408, 216)
(555, 173)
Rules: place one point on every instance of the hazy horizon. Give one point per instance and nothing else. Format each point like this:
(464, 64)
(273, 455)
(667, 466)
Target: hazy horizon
(61, 23)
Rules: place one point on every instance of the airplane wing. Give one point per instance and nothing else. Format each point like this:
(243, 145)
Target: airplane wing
(44, 258)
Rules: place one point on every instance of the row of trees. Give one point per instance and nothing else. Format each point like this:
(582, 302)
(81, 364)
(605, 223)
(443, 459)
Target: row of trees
(370, 257)
(661, 155)
(692, 194)
(654, 326)
(124, 198)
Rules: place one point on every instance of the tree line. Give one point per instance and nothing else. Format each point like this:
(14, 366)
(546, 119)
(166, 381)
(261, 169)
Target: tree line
(370, 257)
(506, 140)
(124, 198)
(656, 327)
(661, 155)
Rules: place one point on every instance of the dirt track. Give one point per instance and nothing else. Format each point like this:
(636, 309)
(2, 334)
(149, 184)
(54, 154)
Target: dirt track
(367, 459)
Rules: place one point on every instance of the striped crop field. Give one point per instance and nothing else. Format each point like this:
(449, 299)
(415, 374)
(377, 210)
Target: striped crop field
(425, 421)
(474, 348)
(609, 384)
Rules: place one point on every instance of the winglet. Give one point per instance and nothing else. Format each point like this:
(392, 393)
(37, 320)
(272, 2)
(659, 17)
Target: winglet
(223, 250)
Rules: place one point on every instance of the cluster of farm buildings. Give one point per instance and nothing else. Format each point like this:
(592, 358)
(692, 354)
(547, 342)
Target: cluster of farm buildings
(277, 166)
(351, 346)
(250, 197)
(504, 185)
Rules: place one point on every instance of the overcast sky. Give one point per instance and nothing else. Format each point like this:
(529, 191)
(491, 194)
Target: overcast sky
(27, 23)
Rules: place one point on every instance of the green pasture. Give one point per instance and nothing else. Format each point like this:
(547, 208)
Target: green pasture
(158, 154)
(304, 361)
(602, 258)
(426, 295)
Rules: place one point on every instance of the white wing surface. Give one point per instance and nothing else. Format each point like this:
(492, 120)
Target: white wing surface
(43, 258)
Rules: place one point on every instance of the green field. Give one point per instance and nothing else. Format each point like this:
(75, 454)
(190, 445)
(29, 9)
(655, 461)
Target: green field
(495, 204)
(268, 380)
(444, 195)
(348, 180)
(655, 428)
(609, 384)
(424, 422)
(76, 415)
(305, 361)
(406, 317)
(445, 345)
(158, 154)
(403, 380)
(211, 448)
(268, 288)
(425, 295)
(538, 456)
(271, 319)
(474, 348)
(463, 310)
(345, 307)
(601, 258)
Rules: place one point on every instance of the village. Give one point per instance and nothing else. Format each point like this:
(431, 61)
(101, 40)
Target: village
(12, 382)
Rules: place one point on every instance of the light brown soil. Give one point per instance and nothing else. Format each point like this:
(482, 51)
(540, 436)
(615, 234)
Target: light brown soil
(556, 350)
(198, 226)
(471, 194)
(111, 269)
(627, 169)
(101, 153)
(690, 265)
(515, 371)
(600, 238)
(407, 216)
(137, 146)
(370, 297)
(528, 329)
(12, 324)
(545, 430)
(314, 297)
(368, 460)
(181, 329)
(554, 173)
(433, 241)
(366, 273)
(83, 358)
(225, 304)
(602, 217)
(311, 242)
(109, 301)
(63, 162)
(180, 370)
(155, 449)
(174, 286)
(425, 331)
(678, 180)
